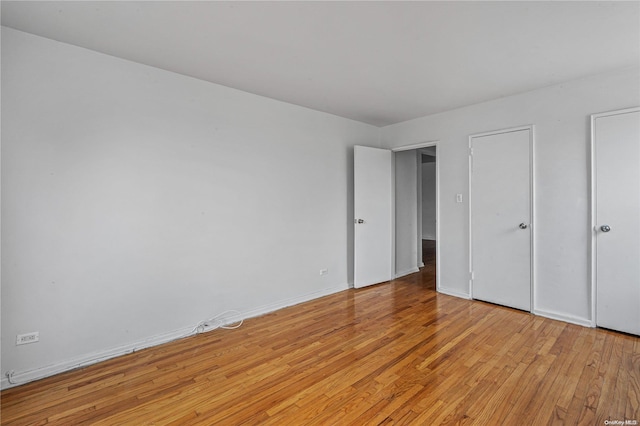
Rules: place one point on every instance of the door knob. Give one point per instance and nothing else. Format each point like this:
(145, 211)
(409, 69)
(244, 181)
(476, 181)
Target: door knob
(359, 221)
(605, 228)
(523, 226)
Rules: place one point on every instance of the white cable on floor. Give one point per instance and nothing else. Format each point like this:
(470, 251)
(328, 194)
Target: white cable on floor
(216, 322)
(9, 375)
(202, 327)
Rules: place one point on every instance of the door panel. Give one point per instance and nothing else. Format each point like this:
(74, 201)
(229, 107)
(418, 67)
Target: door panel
(616, 150)
(373, 206)
(501, 218)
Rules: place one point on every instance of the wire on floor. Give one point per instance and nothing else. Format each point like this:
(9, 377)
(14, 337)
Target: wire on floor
(202, 327)
(217, 322)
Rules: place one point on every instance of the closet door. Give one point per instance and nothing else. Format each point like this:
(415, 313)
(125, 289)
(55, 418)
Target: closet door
(616, 219)
(501, 216)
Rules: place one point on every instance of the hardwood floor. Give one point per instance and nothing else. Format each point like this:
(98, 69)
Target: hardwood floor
(395, 353)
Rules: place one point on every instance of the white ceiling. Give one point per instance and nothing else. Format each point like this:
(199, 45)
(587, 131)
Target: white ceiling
(376, 62)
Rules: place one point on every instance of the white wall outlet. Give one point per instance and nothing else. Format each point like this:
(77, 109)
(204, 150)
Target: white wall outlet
(23, 339)
(324, 271)
(458, 198)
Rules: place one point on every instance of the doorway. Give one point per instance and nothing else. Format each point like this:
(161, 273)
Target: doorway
(427, 219)
(387, 213)
(416, 209)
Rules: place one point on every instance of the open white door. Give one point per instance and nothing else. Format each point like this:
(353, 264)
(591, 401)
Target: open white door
(616, 219)
(373, 209)
(501, 217)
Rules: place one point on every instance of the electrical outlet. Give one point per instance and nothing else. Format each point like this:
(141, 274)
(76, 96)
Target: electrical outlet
(23, 339)
(324, 271)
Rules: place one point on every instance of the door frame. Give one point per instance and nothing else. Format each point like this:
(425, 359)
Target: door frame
(411, 147)
(531, 129)
(592, 220)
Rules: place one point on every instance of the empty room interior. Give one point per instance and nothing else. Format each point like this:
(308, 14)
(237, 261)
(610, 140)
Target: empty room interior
(320, 212)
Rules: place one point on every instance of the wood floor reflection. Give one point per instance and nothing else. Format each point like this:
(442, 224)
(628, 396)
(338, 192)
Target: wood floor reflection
(397, 352)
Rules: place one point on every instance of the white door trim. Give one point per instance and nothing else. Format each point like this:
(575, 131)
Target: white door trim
(531, 129)
(415, 146)
(438, 251)
(594, 202)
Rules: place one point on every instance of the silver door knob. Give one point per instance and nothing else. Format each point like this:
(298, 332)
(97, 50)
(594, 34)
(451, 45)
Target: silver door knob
(523, 226)
(359, 221)
(605, 228)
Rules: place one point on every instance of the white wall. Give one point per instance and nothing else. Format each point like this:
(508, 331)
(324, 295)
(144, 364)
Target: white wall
(138, 202)
(406, 189)
(561, 117)
(428, 201)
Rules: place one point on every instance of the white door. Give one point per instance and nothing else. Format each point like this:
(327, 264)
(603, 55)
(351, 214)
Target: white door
(616, 219)
(501, 216)
(373, 210)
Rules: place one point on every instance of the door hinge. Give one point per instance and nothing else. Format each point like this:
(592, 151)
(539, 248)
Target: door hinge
(471, 275)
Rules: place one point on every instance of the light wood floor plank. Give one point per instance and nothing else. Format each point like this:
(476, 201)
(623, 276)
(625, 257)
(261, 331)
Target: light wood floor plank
(395, 353)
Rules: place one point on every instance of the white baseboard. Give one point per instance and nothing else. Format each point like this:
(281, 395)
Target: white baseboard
(566, 318)
(407, 272)
(288, 302)
(95, 357)
(547, 314)
(92, 358)
(454, 293)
